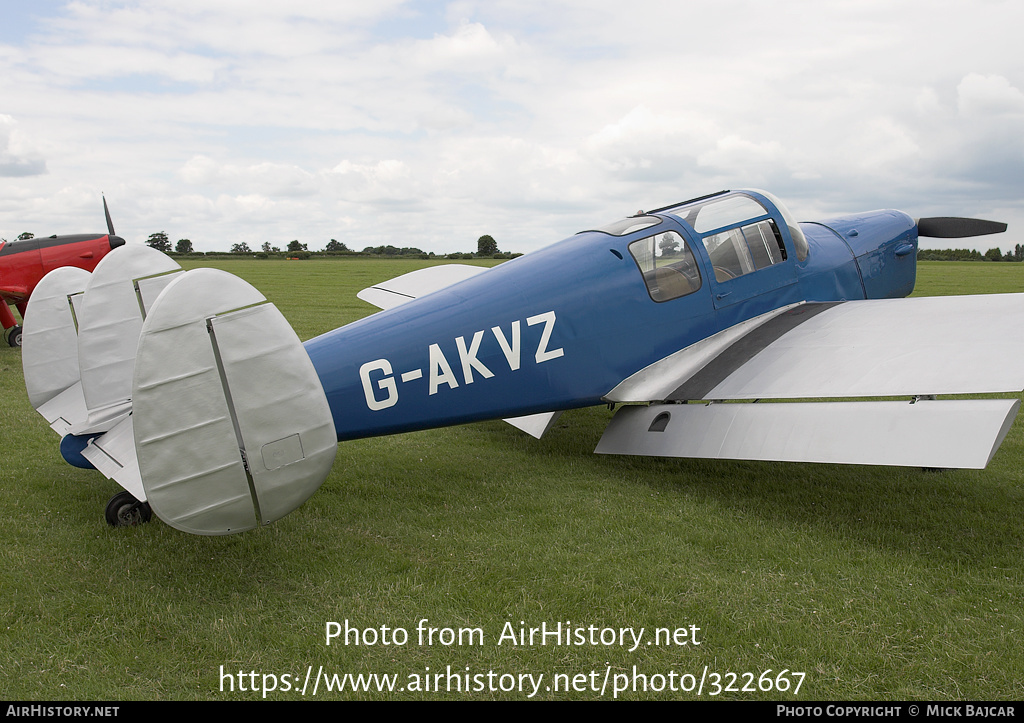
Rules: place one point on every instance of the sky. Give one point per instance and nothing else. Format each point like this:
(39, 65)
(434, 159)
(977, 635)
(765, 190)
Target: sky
(429, 124)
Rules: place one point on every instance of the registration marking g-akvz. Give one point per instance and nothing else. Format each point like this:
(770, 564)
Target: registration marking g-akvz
(380, 381)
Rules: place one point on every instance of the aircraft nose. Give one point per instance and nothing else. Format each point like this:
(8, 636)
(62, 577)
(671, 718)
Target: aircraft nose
(115, 241)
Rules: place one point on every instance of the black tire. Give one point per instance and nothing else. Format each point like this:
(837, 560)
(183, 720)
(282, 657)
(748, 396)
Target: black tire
(14, 336)
(124, 510)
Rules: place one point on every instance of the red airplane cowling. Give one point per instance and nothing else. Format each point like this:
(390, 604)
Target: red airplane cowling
(24, 263)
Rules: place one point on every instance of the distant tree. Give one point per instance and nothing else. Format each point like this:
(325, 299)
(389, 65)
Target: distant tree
(1018, 253)
(26, 236)
(266, 247)
(184, 246)
(296, 246)
(335, 245)
(668, 245)
(949, 255)
(994, 255)
(242, 248)
(160, 242)
(486, 246)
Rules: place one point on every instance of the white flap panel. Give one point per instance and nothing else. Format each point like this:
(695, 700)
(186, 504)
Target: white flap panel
(942, 434)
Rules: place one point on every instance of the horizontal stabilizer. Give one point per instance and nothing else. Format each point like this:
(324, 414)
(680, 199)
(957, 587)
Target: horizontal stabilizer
(103, 419)
(113, 454)
(938, 434)
(401, 289)
(65, 410)
(536, 425)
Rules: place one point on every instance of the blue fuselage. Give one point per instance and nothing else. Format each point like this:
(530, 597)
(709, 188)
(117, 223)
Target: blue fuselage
(560, 327)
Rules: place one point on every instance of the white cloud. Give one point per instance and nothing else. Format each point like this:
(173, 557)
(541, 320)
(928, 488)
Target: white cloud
(277, 179)
(989, 95)
(385, 181)
(528, 120)
(17, 157)
(467, 49)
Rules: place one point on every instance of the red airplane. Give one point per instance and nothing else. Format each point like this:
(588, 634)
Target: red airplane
(23, 263)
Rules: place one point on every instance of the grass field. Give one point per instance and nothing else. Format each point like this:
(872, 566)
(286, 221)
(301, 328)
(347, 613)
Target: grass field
(875, 583)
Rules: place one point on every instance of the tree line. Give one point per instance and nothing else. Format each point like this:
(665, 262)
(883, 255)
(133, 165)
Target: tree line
(995, 254)
(487, 247)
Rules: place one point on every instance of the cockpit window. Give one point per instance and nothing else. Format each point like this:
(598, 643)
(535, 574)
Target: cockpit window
(742, 250)
(629, 225)
(667, 265)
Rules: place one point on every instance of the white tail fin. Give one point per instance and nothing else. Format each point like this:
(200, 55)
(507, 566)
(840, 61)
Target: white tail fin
(50, 348)
(109, 324)
(232, 428)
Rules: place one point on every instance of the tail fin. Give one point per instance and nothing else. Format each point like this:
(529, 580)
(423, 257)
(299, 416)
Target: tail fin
(232, 427)
(50, 351)
(189, 389)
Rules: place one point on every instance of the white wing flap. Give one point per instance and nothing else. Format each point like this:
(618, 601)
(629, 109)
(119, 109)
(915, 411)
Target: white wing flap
(918, 347)
(889, 347)
(941, 434)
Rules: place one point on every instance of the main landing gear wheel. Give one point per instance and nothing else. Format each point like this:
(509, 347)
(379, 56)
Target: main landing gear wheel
(14, 336)
(124, 510)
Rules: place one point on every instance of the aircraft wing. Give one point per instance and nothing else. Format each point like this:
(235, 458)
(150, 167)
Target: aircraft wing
(917, 348)
(402, 289)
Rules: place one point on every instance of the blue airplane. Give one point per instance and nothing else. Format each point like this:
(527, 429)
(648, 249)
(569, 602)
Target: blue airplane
(202, 403)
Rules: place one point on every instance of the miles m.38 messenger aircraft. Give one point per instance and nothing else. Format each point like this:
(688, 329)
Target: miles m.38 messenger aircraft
(192, 391)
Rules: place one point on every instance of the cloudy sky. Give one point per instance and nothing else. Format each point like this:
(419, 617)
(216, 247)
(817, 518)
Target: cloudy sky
(427, 124)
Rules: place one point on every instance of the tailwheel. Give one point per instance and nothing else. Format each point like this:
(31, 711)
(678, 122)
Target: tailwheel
(124, 510)
(14, 336)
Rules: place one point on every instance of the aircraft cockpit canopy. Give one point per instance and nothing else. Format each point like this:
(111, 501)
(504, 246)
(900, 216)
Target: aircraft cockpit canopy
(726, 209)
(738, 231)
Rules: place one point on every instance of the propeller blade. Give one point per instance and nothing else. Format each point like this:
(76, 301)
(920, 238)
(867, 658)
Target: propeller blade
(953, 227)
(106, 212)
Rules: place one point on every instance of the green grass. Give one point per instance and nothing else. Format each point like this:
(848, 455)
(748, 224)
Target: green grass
(877, 583)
